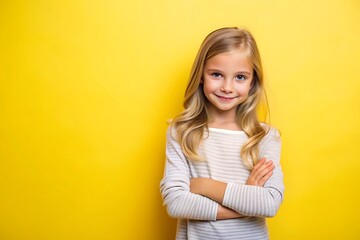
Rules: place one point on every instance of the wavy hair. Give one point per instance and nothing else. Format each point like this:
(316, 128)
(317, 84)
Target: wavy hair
(191, 123)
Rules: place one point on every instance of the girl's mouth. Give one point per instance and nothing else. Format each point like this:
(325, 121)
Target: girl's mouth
(226, 99)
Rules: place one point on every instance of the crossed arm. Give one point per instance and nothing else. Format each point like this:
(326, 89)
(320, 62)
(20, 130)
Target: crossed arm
(209, 199)
(215, 190)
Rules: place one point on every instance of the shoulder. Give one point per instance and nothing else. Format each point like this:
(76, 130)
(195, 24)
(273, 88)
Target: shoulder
(171, 132)
(272, 133)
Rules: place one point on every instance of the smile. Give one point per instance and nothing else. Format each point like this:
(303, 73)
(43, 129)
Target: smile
(225, 99)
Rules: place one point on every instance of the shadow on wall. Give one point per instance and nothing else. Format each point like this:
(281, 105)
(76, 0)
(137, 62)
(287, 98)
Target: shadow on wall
(165, 226)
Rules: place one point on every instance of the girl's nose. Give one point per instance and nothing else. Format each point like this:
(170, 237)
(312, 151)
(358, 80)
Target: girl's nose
(227, 87)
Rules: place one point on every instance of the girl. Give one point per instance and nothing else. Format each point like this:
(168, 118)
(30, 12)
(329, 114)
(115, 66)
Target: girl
(222, 175)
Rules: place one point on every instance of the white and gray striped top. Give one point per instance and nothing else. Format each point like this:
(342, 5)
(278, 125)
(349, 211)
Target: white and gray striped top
(197, 214)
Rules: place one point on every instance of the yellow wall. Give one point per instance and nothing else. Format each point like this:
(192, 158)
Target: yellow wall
(87, 86)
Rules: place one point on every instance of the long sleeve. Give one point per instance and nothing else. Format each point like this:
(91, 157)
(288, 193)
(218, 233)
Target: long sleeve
(260, 201)
(175, 190)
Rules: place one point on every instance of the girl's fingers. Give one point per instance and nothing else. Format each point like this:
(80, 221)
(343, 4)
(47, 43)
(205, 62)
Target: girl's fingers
(263, 170)
(261, 167)
(259, 163)
(265, 178)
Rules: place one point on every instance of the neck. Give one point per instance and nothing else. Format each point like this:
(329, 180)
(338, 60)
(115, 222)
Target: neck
(223, 119)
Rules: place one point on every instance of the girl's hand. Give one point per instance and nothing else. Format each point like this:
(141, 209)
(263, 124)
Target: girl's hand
(226, 213)
(261, 172)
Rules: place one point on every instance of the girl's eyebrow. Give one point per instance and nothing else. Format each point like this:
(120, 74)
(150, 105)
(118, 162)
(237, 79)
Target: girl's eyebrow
(245, 72)
(217, 70)
(213, 70)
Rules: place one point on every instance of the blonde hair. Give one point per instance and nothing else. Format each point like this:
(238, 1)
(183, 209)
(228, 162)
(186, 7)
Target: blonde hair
(191, 123)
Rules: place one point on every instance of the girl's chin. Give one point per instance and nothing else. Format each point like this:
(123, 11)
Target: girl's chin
(224, 108)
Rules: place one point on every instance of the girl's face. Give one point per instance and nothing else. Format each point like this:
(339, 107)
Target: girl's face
(227, 80)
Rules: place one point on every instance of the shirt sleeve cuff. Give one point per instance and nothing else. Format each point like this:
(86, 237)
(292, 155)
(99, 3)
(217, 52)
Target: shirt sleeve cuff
(227, 194)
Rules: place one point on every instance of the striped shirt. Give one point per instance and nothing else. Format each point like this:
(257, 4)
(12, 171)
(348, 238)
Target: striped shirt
(197, 214)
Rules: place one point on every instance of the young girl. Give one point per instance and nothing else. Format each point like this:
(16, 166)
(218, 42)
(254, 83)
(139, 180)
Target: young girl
(222, 175)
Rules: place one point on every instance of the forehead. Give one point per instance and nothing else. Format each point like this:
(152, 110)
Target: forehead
(232, 59)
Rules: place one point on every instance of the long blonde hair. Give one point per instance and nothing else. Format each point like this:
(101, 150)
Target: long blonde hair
(191, 123)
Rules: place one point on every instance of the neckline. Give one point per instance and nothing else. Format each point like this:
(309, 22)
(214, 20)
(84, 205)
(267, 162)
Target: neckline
(223, 130)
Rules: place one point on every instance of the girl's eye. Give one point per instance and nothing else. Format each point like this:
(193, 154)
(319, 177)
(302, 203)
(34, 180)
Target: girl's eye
(216, 74)
(241, 77)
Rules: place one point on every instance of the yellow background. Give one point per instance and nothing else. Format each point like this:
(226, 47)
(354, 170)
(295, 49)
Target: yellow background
(86, 88)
